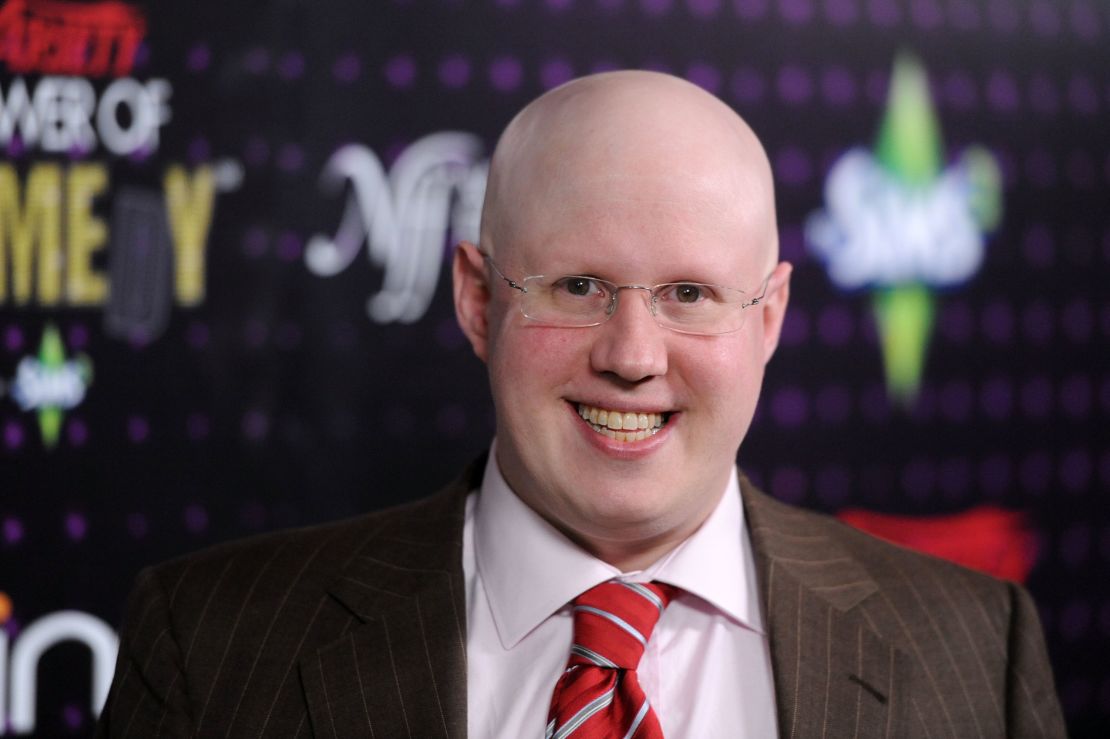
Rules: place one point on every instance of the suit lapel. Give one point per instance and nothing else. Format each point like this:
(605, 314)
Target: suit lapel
(401, 670)
(833, 675)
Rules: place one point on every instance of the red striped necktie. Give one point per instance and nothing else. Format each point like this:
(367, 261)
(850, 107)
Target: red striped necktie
(599, 696)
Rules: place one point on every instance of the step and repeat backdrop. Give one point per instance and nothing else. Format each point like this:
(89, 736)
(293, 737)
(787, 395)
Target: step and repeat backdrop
(225, 303)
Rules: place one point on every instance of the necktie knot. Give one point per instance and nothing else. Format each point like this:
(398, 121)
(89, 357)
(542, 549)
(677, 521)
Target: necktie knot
(599, 696)
(614, 620)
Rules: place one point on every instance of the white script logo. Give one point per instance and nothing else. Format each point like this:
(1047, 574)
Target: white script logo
(433, 193)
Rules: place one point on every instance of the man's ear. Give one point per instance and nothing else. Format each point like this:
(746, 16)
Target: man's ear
(472, 295)
(774, 308)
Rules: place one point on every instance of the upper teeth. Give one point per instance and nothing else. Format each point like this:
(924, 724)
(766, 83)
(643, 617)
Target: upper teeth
(619, 420)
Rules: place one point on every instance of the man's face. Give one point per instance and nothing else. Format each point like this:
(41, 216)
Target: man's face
(638, 179)
(704, 388)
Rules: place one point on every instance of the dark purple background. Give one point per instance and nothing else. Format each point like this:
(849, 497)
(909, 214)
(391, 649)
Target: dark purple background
(278, 402)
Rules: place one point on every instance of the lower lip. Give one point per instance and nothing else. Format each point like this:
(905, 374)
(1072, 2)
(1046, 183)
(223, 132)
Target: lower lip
(629, 450)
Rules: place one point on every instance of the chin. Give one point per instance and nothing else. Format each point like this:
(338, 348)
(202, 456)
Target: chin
(627, 509)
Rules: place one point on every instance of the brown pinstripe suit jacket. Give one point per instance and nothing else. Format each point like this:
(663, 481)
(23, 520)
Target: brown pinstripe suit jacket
(358, 629)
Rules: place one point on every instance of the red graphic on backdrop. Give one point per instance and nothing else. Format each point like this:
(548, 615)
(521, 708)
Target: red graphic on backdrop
(65, 38)
(986, 538)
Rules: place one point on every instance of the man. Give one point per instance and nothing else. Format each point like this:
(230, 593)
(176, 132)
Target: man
(626, 296)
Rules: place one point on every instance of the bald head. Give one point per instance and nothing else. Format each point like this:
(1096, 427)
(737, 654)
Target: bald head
(629, 136)
(641, 189)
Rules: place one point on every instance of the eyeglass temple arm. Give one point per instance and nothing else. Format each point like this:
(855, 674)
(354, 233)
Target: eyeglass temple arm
(501, 274)
(755, 300)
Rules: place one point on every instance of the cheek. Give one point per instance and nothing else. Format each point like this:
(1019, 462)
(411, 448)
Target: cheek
(526, 359)
(726, 381)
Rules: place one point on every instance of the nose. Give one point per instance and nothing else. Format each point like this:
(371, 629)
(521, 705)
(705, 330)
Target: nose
(630, 345)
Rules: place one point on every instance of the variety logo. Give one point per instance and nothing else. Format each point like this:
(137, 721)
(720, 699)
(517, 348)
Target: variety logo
(52, 231)
(21, 651)
(899, 223)
(50, 384)
(90, 39)
(69, 43)
(431, 197)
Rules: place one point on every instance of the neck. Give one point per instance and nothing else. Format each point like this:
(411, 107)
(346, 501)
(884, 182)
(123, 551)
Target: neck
(632, 554)
(631, 559)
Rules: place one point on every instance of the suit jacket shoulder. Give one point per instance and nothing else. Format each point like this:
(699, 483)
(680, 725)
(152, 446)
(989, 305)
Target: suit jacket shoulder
(358, 628)
(877, 640)
(272, 635)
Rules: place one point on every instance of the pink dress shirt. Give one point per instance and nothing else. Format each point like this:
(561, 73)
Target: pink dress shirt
(707, 666)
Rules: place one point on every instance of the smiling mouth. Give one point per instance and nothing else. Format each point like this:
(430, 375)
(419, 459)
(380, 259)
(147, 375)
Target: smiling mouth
(622, 425)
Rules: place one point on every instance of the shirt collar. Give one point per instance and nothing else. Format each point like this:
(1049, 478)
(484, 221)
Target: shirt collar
(716, 562)
(530, 570)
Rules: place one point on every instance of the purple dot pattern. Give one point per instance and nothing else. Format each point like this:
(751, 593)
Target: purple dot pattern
(76, 526)
(198, 427)
(839, 87)
(833, 485)
(138, 525)
(656, 8)
(13, 435)
(195, 516)
(793, 166)
(748, 85)
(790, 407)
(256, 61)
(138, 429)
(789, 484)
(794, 85)
(705, 76)
(255, 425)
(291, 66)
(73, 716)
(13, 338)
(400, 72)
(834, 404)
(506, 74)
(454, 72)
(555, 72)
(704, 8)
(835, 326)
(347, 68)
(12, 529)
(276, 401)
(959, 91)
(77, 431)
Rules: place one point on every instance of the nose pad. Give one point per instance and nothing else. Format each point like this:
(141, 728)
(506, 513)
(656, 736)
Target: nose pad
(612, 307)
(633, 350)
(649, 300)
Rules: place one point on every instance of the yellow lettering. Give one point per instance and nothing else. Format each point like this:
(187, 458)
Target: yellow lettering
(23, 226)
(85, 235)
(189, 204)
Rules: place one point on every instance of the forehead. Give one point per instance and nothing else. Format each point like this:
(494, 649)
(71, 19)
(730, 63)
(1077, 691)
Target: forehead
(651, 227)
(630, 167)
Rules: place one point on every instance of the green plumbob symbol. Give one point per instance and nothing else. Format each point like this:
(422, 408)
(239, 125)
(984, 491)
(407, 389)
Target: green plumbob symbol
(901, 223)
(904, 315)
(50, 384)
